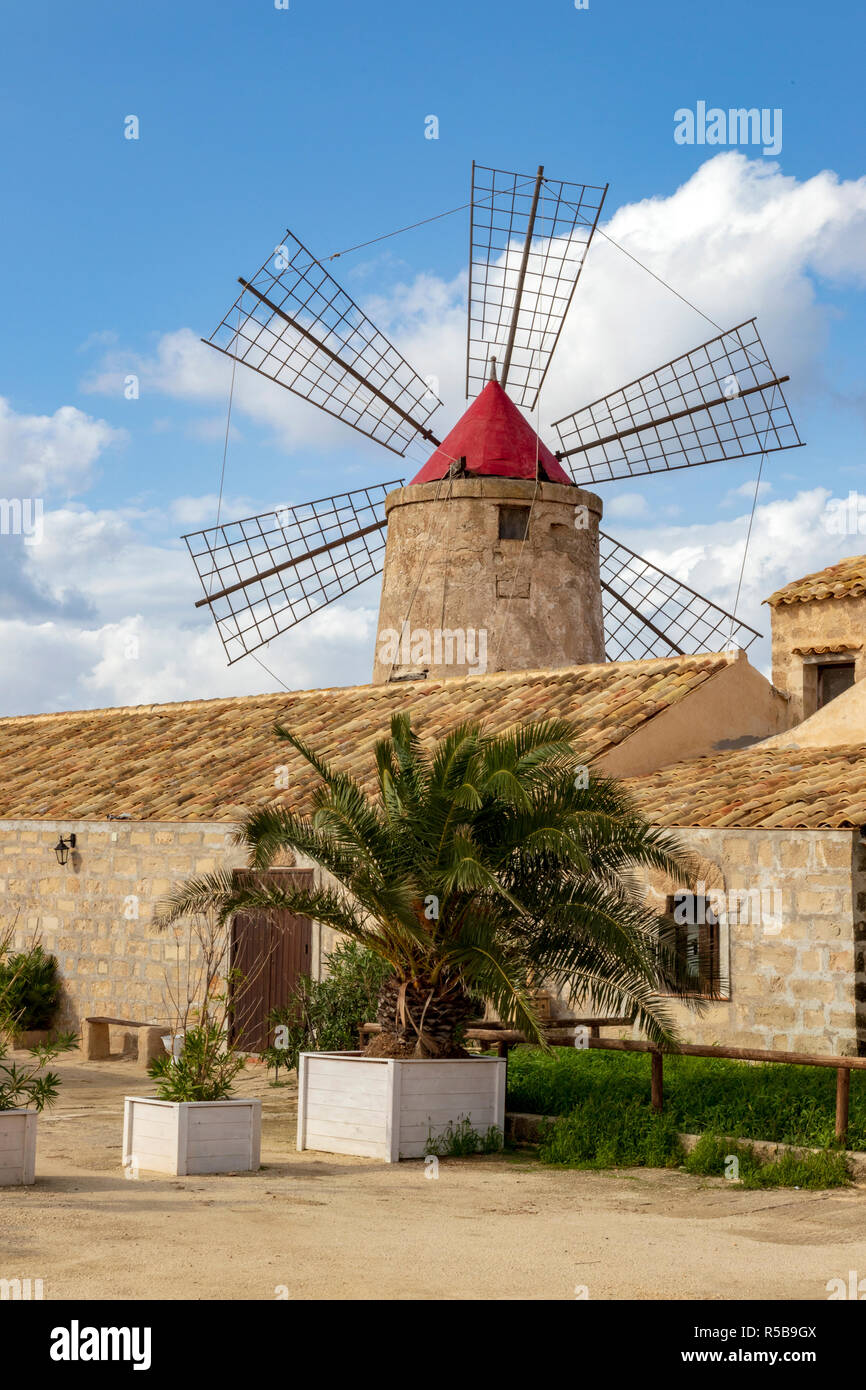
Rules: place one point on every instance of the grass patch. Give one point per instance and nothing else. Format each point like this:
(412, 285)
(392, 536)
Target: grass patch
(788, 1104)
(607, 1135)
(715, 1156)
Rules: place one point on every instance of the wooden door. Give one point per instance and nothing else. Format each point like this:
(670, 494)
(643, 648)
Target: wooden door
(268, 956)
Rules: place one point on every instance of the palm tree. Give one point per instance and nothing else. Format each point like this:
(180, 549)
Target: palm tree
(482, 866)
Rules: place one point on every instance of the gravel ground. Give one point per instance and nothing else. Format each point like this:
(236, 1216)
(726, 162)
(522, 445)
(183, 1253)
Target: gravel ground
(320, 1226)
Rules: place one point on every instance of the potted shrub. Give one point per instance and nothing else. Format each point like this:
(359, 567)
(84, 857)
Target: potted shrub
(481, 867)
(24, 1089)
(30, 986)
(195, 1124)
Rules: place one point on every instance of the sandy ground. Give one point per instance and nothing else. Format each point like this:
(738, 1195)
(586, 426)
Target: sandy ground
(320, 1226)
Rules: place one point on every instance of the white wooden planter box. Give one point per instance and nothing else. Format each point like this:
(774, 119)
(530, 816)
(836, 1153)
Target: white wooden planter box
(17, 1147)
(381, 1107)
(197, 1136)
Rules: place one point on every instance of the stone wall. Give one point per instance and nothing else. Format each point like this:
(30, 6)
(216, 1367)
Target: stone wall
(96, 913)
(796, 984)
(828, 623)
(859, 895)
(529, 604)
(791, 978)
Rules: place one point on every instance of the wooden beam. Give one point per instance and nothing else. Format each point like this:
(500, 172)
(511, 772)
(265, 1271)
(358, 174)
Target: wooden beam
(666, 419)
(335, 357)
(843, 1091)
(521, 277)
(287, 564)
(657, 1080)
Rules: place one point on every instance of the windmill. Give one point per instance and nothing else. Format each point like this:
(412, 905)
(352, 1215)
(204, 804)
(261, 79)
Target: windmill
(529, 235)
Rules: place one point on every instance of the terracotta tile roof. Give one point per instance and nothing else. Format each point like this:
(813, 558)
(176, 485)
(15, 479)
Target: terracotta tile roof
(829, 647)
(847, 579)
(771, 788)
(205, 759)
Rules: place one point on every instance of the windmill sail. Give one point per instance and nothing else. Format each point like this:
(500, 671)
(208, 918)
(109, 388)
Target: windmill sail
(528, 240)
(723, 400)
(264, 574)
(294, 324)
(649, 613)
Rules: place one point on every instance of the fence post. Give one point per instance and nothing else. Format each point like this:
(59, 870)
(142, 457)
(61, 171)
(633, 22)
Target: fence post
(843, 1090)
(658, 1087)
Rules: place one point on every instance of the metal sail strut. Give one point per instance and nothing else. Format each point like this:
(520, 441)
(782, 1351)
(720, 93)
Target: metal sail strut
(288, 564)
(335, 357)
(668, 419)
(521, 278)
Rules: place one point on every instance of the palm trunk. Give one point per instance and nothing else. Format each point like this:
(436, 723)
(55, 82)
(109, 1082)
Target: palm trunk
(419, 1019)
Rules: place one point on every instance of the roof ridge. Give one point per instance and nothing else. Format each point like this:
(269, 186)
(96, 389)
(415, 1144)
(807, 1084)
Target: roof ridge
(226, 701)
(849, 573)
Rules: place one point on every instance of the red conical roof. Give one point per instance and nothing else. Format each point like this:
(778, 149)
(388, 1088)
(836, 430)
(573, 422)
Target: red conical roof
(496, 440)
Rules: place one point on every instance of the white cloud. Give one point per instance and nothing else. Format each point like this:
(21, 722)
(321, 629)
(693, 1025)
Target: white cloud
(106, 616)
(625, 506)
(738, 239)
(136, 638)
(747, 490)
(200, 512)
(45, 454)
(790, 538)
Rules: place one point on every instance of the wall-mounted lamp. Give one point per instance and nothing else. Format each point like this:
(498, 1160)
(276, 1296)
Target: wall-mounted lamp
(62, 848)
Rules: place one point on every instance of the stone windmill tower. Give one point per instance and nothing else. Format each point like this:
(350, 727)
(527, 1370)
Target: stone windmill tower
(492, 563)
(494, 556)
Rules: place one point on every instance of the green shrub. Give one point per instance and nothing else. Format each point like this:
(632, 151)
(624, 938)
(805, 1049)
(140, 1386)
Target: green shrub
(788, 1104)
(713, 1153)
(711, 1158)
(29, 988)
(325, 1015)
(205, 1069)
(461, 1139)
(605, 1134)
(813, 1170)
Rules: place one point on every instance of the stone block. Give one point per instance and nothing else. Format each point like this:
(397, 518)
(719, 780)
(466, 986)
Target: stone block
(843, 1018)
(842, 960)
(833, 853)
(129, 866)
(150, 1044)
(95, 1042)
(815, 989)
(819, 903)
(739, 850)
(776, 1015)
(811, 961)
(794, 852)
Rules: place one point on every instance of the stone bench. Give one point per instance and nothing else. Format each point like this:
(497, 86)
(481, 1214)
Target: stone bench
(96, 1044)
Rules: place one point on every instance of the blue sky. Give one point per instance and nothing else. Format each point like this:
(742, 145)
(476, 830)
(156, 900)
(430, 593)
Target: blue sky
(254, 118)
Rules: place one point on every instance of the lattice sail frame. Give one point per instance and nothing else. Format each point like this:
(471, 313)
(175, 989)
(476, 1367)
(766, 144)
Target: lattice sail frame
(553, 232)
(649, 613)
(720, 401)
(294, 324)
(265, 573)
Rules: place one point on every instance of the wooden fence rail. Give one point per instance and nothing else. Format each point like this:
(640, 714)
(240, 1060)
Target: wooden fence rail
(561, 1033)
